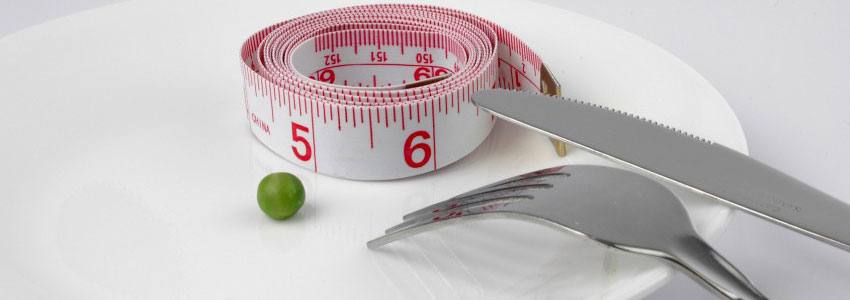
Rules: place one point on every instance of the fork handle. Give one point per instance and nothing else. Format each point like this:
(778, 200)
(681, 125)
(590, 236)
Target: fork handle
(708, 267)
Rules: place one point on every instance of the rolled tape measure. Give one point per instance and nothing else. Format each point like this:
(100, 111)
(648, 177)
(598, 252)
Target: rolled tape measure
(380, 91)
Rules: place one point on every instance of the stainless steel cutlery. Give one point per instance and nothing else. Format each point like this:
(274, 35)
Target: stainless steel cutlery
(619, 208)
(629, 211)
(673, 155)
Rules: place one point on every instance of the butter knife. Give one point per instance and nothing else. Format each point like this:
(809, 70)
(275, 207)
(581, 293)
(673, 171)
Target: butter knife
(696, 163)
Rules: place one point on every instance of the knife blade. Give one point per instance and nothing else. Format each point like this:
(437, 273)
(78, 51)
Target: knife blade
(701, 165)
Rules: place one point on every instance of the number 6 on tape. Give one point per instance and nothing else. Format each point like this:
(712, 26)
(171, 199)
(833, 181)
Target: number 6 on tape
(409, 148)
(380, 91)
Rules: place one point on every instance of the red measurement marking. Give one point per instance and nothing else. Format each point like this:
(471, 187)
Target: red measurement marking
(517, 82)
(410, 148)
(422, 73)
(290, 106)
(280, 98)
(386, 118)
(519, 73)
(434, 133)
(332, 59)
(458, 102)
(371, 137)
(298, 105)
(384, 64)
(245, 99)
(378, 56)
(313, 131)
(325, 75)
(424, 58)
(338, 120)
(297, 138)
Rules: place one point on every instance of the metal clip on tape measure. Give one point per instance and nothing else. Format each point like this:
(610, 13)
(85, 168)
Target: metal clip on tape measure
(381, 91)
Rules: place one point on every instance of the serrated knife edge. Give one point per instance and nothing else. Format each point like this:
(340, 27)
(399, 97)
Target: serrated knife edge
(680, 157)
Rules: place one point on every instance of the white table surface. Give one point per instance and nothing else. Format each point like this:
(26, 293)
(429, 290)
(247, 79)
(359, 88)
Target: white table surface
(783, 67)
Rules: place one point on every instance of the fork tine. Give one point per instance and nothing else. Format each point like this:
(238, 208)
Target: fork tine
(487, 199)
(420, 228)
(522, 177)
(485, 196)
(533, 174)
(417, 226)
(486, 205)
(528, 180)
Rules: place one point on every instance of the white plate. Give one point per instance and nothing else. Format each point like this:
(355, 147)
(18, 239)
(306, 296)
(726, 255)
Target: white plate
(129, 170)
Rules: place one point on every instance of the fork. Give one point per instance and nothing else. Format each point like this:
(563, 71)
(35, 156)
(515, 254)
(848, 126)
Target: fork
(618, 208)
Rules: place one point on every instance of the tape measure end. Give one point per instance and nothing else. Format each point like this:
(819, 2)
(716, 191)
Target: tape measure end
(550, 86)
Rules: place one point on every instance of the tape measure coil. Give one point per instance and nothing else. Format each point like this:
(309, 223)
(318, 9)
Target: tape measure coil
(341, 92)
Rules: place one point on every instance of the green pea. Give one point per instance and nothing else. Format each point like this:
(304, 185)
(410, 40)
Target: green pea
(280, 195)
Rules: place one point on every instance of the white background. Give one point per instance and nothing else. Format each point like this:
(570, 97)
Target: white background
(784, 67)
